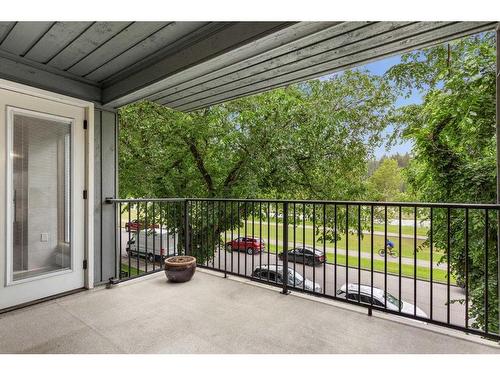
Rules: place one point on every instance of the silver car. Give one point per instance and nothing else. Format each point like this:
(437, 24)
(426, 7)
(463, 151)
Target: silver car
(379, 298)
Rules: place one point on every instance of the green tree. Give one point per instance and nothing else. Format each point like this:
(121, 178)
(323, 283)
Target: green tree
(305, 141)
(454, 155)
(385, 184)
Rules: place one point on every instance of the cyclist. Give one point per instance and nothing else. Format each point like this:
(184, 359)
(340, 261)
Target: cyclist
(390, 246)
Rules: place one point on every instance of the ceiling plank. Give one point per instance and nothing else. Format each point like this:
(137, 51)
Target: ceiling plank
(91, 39)
(119, 43)
(300, 35)
(142, 83)
(5, 28)
(325, 50)
(56, 39)
(159, 40)
(22, 37)
(441, 35)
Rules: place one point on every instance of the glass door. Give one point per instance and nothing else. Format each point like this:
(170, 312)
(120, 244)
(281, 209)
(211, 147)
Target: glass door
(41, 202)
(40, 171)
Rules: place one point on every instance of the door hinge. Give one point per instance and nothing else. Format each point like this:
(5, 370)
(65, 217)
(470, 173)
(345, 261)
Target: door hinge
(85, 194)
(85, 264)
(84, 124)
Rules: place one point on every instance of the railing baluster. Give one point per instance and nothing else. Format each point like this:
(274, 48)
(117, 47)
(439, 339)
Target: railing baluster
(261, 236)
(415, 261)
(359, 253)
(303, 245)
(232, 236)
(466, 268)
(129, 254)
(154, 235)
(138, 232)
(371, 255)
(119, 276)
(335, 249)
(486, 286)
(217, 230)
(431, 245)
(346, 250)
(400, 256)
(314, 245)
(285, 248)
(324, 249)
(277, 239)
(294, 241)
(448, 250)
(239, 235)
(246, 234)
(253, 236)
(225, 238)
(385, 256)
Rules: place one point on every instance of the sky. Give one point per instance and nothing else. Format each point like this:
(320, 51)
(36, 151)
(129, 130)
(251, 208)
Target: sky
(379, 68)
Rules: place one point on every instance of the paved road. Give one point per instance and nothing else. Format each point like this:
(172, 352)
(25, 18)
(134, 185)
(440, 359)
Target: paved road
(331, 277)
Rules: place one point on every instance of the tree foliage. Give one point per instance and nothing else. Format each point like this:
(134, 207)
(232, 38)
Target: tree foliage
(454, 154)
(386, 182)
(305, 141)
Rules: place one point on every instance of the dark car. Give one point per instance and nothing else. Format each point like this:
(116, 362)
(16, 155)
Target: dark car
(249, 244)
(135, 226)
(274, 273)
(307, 255)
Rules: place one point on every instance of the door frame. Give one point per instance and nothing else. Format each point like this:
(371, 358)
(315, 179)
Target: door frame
(88, 161)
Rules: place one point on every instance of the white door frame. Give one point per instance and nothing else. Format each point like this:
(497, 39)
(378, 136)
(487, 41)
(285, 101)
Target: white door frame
(89, 164)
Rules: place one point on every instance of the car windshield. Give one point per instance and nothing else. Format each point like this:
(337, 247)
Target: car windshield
(394, 300)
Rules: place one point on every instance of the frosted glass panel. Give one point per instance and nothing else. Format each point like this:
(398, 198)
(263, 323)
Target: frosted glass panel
(40, 196)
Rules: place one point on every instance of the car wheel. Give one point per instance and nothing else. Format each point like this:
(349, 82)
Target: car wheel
(310, 262)
(151, 258)
(229, 248)
(250, 251)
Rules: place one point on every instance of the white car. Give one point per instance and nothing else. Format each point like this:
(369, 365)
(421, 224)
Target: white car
(378, 299)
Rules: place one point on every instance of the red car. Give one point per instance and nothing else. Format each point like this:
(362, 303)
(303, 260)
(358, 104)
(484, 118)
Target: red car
(136, 226)
(249, 244)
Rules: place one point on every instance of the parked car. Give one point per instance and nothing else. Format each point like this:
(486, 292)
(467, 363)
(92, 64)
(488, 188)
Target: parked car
(307, 255)
(135, 225)
(274, 273)
(158, 246)
(378, 299)
(249, 244)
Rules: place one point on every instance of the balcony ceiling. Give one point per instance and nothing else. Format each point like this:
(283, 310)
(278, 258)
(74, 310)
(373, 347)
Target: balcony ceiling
(191, 65)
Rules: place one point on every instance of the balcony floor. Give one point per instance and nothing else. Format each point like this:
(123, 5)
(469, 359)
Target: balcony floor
(211, 314)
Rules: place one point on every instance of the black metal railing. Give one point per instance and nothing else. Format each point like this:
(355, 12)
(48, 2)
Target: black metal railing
(430, 262)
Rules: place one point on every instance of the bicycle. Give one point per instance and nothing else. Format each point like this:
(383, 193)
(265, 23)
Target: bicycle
(393, 253)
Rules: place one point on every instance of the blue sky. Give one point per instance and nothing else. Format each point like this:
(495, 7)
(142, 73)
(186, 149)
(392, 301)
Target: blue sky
(379, 68)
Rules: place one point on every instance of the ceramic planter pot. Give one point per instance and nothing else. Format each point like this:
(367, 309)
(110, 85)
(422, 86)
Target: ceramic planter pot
(179, 269)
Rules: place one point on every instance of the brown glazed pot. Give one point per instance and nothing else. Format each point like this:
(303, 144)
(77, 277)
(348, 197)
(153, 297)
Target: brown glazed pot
(180, 268)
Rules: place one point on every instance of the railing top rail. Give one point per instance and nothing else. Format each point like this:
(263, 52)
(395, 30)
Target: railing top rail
(134, 200)
(328, 202)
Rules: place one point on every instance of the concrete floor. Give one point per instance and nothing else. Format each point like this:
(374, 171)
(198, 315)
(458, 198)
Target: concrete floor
(211, 314)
